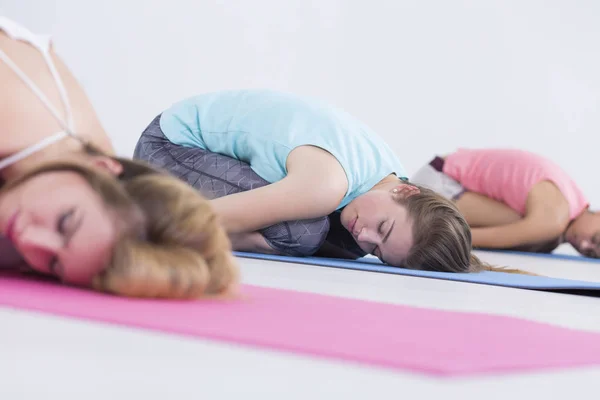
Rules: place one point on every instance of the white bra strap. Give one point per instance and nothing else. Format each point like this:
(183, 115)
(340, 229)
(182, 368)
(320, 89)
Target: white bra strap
(62, 91)
(5, 162)
(67, 126)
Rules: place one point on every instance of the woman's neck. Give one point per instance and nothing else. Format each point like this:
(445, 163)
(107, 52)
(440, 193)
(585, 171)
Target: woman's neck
(387, 183)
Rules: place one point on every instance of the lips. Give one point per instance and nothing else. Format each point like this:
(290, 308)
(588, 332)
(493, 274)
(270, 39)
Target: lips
(9, 232)
(351, 225)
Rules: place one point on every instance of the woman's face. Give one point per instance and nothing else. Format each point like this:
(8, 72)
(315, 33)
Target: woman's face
(380, 225)
(584, 235)
(59, 225)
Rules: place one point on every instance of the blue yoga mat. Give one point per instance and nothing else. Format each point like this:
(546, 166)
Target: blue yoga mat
(556, 256)
(485, 278)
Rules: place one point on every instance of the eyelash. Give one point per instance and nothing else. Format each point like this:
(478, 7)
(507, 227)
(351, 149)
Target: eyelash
(381, 227)
(60, 223)
(60, 228)
(380, 230)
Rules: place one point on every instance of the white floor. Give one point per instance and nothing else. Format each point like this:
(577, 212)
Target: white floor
(50, 357)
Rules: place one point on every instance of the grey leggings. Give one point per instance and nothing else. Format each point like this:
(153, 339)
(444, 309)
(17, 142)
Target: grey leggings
(216, 175)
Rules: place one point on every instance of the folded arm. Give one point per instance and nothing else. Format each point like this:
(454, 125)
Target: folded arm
(314, 187)
(546, 219)
(524, 232)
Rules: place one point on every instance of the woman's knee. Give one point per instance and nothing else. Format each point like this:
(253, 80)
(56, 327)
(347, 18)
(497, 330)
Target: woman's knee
(151, 140)
(212, 174)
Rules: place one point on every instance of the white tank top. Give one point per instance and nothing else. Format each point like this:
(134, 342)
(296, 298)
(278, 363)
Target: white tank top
(42, 44)
(9, 257)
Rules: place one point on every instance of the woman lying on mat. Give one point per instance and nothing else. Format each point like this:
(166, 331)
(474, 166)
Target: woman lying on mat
(295, 176)
(514, 199)
(72, 210)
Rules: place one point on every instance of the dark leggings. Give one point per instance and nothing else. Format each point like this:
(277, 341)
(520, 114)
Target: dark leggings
(216, 175)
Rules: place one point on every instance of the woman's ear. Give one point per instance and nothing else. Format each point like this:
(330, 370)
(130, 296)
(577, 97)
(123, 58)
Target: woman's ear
(405, 190)
(108, 164)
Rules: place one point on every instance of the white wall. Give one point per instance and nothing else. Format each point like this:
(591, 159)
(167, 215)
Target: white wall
(428, 75)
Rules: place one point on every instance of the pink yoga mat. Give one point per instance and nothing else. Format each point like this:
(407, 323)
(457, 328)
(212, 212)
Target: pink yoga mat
(399, 337)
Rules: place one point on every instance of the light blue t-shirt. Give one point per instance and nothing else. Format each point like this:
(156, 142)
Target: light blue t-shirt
(261, 128)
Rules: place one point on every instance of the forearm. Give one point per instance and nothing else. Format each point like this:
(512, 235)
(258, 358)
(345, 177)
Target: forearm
(239, 216)
(256, 209)
(523, 232)
(313, 187)
(487, 238)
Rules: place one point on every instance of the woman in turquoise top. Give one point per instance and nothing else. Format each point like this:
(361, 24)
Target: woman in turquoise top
(293, 175)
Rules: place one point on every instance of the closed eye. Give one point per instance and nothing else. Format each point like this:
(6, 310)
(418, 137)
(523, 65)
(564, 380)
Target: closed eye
(61, 227)
(61, 223)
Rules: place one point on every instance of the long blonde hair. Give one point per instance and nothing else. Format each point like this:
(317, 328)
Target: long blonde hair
(170, 243)
(442, 237)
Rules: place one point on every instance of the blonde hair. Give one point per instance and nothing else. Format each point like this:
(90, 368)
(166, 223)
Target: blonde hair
(441, 236)
(170, 243)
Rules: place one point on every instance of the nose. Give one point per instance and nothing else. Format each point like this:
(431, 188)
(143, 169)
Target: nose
(37, 245)
(366, 235)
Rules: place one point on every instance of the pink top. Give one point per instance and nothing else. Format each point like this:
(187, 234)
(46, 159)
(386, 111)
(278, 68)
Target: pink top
(508, 175)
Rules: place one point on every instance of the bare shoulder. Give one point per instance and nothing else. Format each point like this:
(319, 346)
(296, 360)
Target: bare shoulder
(546, 199)
(315, 160)
(24, 116)
(310, 153)
(318, 164)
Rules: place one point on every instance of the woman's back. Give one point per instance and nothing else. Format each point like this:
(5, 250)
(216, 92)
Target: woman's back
(262, 127)
(508, 176)
(24, 119)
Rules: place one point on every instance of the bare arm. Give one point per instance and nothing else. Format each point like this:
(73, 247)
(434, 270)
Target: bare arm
(546, 218)
(314, 187)
(481, 211)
